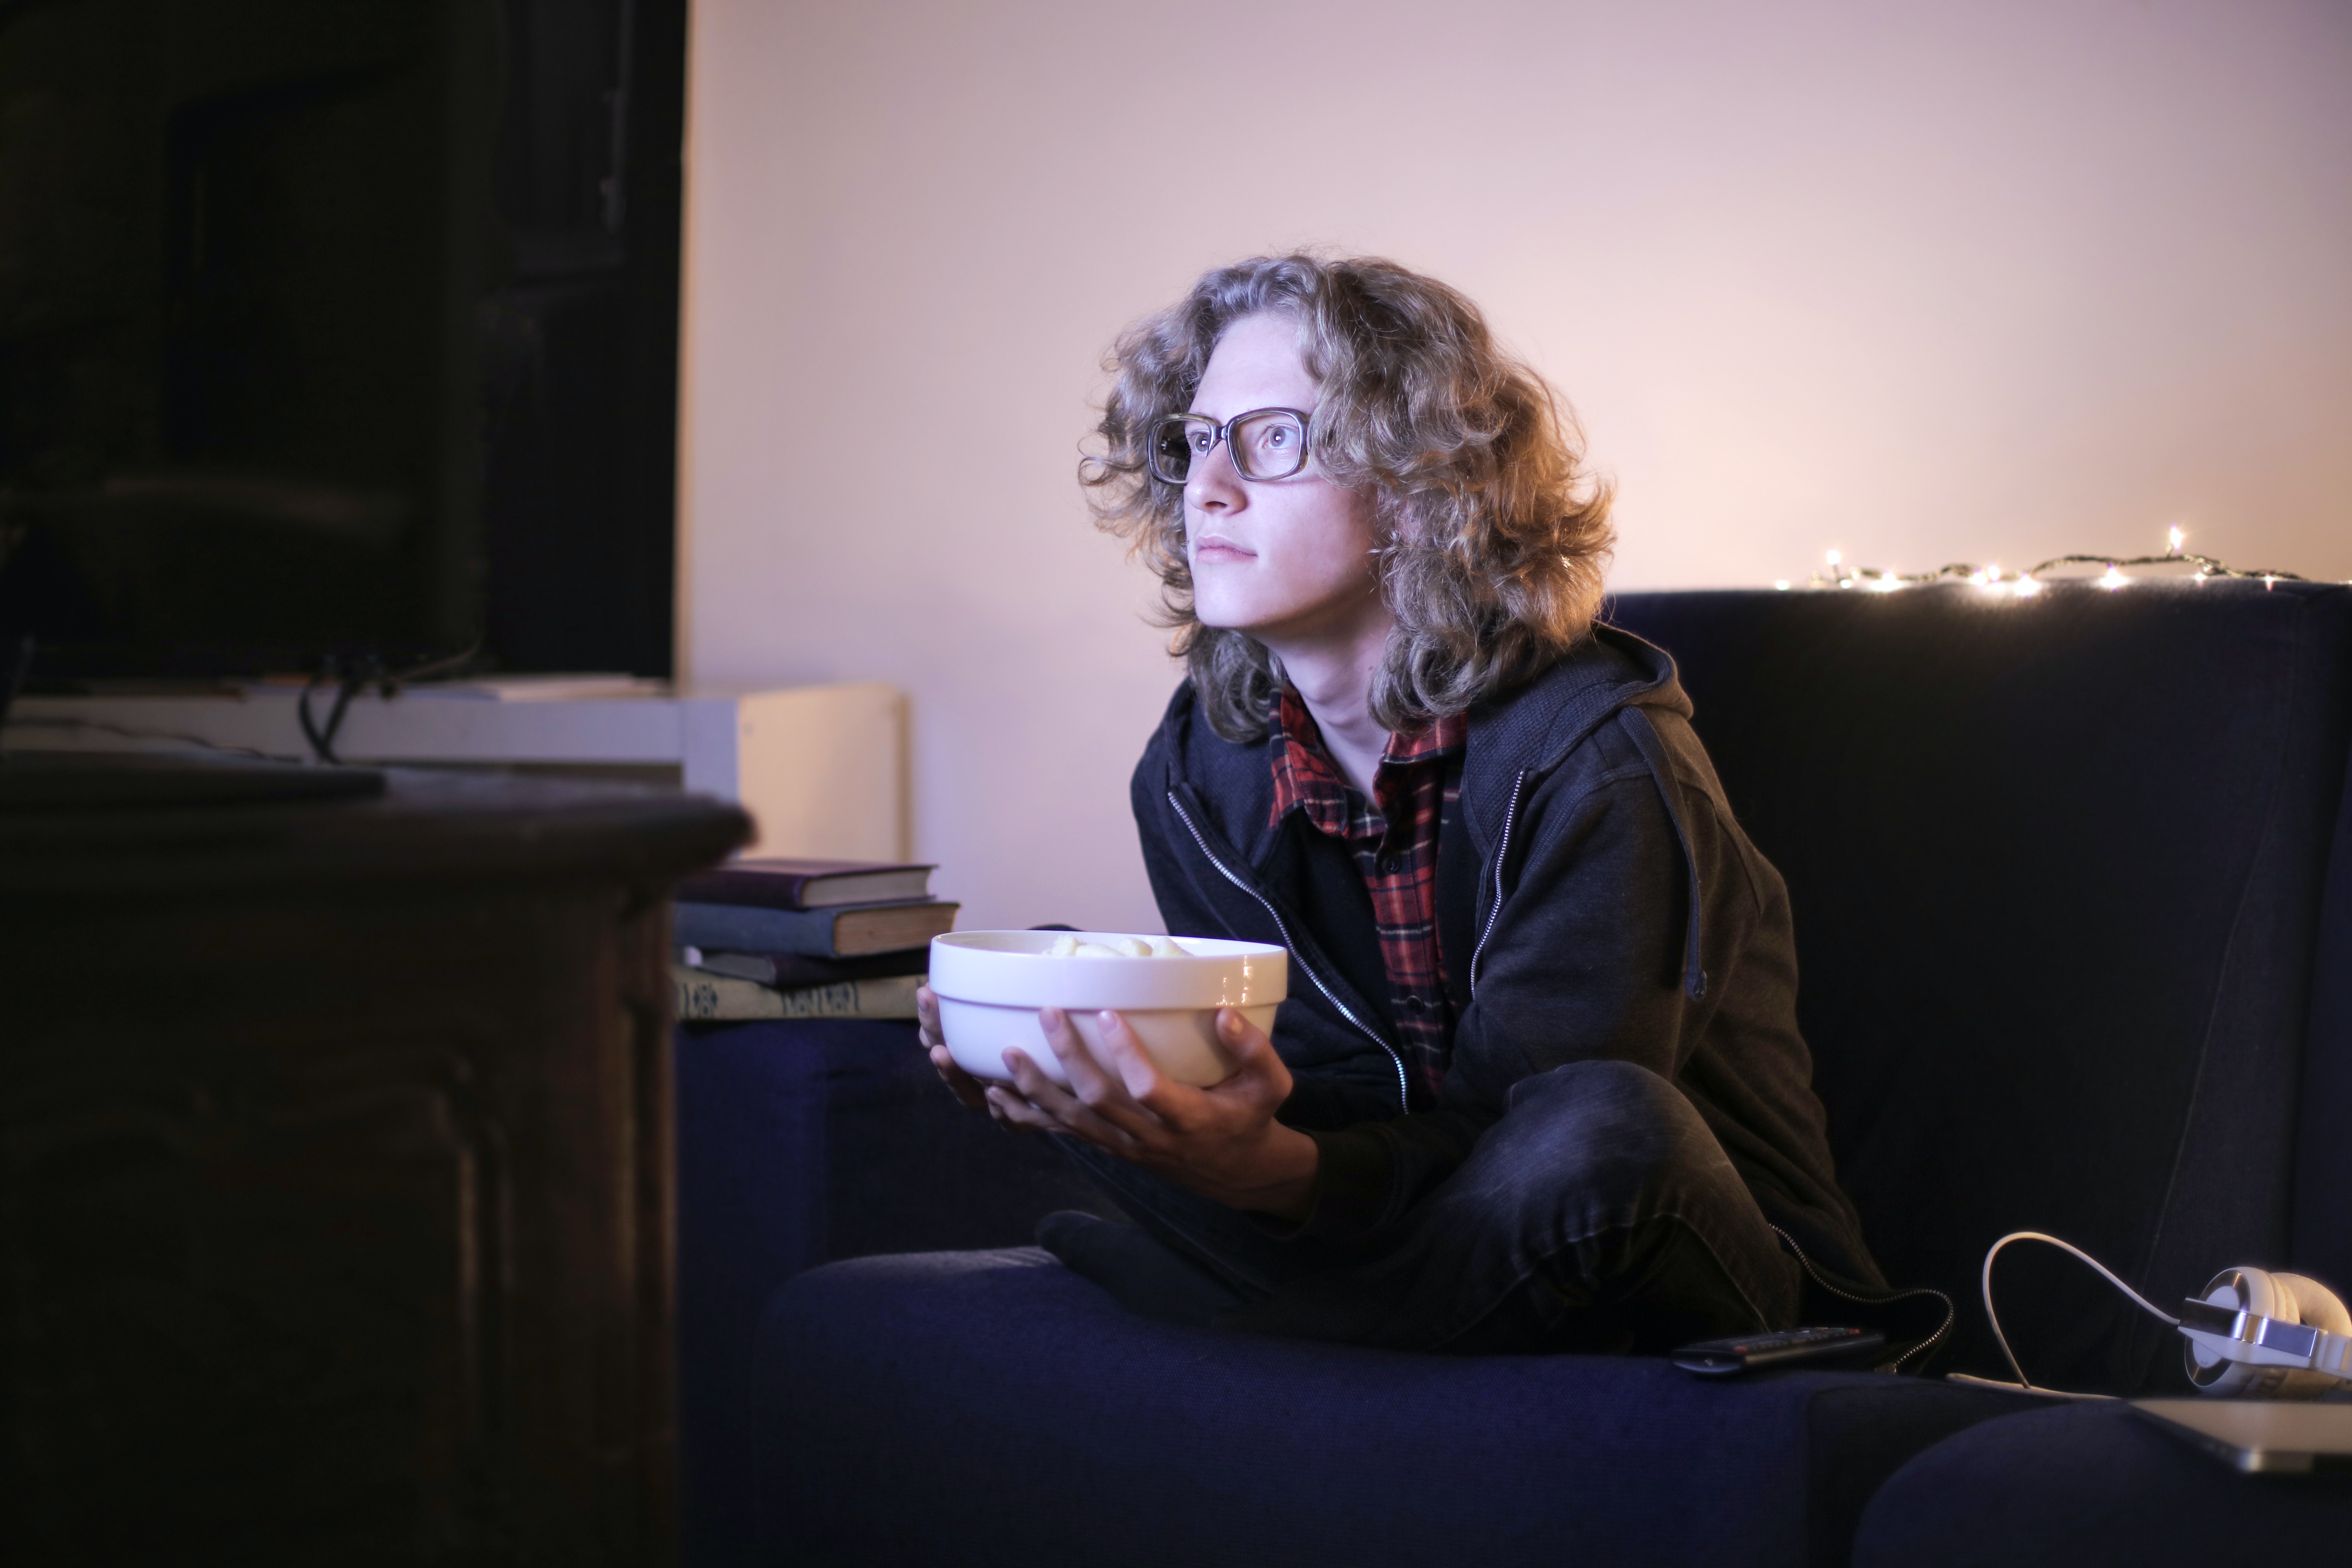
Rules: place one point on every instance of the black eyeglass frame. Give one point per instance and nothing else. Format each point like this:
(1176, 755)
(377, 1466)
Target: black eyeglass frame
(1220, 433)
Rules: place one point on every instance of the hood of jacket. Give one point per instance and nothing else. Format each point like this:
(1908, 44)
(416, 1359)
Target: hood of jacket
(1527, 730)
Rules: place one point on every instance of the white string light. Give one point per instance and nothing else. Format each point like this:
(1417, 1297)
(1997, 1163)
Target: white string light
(2025, 585)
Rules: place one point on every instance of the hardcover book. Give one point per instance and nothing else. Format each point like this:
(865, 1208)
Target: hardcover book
(851, 930)
(708, 998)
(790, 969)
(779, 884)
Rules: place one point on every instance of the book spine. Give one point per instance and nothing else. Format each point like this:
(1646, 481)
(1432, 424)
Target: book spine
(702, 998)
(788, 971)
(712, 998)
(891, 998)
(765, 885)
(767, 890)
(739, 928)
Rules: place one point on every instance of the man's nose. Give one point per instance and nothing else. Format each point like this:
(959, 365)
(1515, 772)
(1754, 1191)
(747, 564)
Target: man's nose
(1214, 484)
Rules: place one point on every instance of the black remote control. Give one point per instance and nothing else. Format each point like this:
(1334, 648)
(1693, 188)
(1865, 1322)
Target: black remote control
(1753, 1352)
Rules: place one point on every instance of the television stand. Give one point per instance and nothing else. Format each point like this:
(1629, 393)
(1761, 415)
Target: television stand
(339, 1175)
(108, 781)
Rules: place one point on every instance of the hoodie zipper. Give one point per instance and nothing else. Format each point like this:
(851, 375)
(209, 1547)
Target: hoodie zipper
(1404, 1100)
(1502, 849)
(1925, 1346)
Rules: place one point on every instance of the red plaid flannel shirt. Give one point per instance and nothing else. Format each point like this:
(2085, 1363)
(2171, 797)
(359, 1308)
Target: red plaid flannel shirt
(1393, 837)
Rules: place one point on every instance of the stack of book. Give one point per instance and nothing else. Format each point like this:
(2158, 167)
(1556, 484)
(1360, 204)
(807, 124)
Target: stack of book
(804, 939)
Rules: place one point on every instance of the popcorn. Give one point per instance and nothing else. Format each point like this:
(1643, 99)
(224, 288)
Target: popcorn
(1116, 947)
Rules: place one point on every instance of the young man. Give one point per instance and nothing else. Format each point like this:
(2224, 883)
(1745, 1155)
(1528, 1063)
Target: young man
(1539, 1083)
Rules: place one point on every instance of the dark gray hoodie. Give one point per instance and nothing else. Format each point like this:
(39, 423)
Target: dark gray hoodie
(1596, 899)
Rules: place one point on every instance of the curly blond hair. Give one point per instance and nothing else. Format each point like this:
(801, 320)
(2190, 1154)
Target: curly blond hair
(1494, 539)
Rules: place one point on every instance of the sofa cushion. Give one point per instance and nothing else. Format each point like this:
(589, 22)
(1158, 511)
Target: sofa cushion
(2058, 871)
(2095, 1483)
(976, 1409)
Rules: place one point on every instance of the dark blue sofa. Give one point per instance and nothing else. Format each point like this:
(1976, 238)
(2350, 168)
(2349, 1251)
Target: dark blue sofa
(2075, 917)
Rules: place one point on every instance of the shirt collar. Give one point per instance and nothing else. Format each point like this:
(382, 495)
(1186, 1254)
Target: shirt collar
(1305, 774)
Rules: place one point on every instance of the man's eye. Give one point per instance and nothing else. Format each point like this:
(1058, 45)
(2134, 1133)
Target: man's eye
(1200, 440)
(1272, 438)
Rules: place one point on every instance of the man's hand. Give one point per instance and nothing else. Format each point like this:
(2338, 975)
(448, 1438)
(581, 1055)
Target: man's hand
(961, 1084)
(1222, 1142)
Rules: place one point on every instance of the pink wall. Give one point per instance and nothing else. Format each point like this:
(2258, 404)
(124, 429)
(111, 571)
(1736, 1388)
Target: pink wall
(1986, 281)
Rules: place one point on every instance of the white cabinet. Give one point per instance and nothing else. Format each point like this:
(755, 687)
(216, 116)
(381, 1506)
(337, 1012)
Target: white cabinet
(821, 769)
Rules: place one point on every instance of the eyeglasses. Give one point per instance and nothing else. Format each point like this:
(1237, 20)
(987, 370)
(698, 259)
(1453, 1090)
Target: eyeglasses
(1265, 443)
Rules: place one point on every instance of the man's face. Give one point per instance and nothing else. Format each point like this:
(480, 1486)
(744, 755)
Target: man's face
(1287, 561)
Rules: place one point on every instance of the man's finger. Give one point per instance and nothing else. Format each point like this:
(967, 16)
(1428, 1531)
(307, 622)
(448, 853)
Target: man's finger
(1073, 1115)
(1016, 1114)
(1089, 1084)
(1137, 1075)
(1259, 1071)
(1040, 1090)
(960, 1082)
(1246, 1040)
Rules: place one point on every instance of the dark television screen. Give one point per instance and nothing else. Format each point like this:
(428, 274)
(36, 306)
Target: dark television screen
(326, 330)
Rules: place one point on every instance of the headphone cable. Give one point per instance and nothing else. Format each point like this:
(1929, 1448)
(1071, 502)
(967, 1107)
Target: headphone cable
(2023, 1382)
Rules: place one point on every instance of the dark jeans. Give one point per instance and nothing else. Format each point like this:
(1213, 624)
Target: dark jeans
(1599, 1214)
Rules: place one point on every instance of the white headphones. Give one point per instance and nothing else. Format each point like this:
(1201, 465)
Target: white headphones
(2255, 1334)
(2258, 1335)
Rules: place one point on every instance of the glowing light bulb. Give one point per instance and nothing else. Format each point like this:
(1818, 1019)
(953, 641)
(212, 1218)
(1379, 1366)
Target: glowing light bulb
(1781, 583)
(1979, 578)
(2113, 580)
(1887, 582)
(1836, 557)
(2178, 538)
(1993, 573)
(2269, 582)
(2027, 587)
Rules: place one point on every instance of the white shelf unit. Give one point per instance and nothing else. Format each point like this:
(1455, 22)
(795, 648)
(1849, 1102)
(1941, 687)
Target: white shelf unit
(821, 769)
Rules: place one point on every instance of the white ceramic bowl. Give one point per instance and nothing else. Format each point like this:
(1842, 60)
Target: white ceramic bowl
(990, 984)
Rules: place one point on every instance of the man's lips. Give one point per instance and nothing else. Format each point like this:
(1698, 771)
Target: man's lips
(1217, 547)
